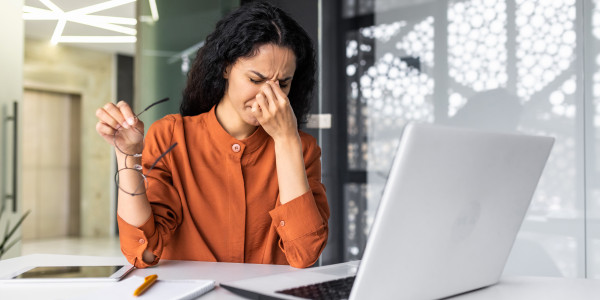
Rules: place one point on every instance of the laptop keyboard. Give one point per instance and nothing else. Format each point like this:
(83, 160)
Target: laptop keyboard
(334, 289)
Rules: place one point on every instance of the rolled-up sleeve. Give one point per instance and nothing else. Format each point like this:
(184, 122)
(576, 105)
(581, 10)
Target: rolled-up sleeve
(302, 222)
(135, 240)
(164, 200)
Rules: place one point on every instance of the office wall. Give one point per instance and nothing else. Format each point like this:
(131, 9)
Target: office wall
(11, 74)
(89, 74)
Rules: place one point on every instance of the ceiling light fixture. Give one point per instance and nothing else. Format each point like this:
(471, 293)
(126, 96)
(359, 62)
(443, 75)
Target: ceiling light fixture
(97, 39)
(58, 30)
(82, 16)
(184, 56)
(153, 10)
(153, 13)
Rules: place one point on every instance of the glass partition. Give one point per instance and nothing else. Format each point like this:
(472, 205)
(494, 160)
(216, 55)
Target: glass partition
(503, 65)
(591, 40)
(168, 40)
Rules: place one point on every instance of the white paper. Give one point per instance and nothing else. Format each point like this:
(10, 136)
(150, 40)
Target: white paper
(161, 289)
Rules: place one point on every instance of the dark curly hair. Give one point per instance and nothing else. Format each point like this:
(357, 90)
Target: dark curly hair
(240, 34)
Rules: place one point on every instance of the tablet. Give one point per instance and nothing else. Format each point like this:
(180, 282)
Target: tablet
(69, 273)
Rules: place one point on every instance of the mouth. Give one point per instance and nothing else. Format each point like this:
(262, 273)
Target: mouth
(252, 121)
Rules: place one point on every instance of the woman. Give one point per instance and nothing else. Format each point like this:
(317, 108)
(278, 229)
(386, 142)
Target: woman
(243, 183)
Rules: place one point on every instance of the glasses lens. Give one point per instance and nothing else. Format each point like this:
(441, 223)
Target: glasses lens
(128, 140)
(131, 181)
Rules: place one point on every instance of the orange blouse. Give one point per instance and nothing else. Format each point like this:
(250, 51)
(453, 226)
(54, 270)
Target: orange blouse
(216, 198)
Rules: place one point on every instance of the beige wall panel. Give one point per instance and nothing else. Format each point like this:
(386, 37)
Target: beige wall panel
(90, 74)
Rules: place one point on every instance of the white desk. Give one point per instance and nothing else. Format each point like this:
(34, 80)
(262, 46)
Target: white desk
(166, 269)
(530, 288)
(513, 288)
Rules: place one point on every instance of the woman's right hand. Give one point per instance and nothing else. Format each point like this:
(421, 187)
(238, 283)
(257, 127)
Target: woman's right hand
(113, 117)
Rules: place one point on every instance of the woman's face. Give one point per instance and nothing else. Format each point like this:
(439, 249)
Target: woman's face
(248, 74)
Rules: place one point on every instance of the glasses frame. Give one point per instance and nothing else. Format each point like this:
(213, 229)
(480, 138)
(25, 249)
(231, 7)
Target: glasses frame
(137, 167)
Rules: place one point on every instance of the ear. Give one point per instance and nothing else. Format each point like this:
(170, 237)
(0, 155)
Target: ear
(226, 72)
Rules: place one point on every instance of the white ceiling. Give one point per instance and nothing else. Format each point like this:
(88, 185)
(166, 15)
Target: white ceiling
(43, 29)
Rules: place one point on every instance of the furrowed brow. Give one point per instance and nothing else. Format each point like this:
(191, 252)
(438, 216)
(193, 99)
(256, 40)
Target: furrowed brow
(263, 77)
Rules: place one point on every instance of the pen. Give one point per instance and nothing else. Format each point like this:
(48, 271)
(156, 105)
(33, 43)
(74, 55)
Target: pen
(148, 281)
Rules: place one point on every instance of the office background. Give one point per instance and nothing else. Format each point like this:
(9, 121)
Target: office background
(509, 65)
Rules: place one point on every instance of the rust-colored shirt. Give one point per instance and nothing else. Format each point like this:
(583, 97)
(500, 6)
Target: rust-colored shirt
(216, 198)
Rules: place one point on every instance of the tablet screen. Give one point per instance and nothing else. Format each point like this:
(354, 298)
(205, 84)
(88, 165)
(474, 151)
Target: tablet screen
(69, 272)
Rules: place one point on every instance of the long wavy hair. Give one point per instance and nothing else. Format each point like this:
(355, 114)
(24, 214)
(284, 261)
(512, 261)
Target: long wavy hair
(240, 34)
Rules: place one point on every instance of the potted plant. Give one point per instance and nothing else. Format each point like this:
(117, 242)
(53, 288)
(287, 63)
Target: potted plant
(5, 242)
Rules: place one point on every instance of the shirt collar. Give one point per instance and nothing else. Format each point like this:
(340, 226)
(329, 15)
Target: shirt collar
(251, 143)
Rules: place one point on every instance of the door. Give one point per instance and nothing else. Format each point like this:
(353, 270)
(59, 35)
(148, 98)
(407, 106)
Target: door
(51, 164)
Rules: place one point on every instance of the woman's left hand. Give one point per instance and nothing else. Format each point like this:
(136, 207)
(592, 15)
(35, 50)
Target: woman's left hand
(273, 111)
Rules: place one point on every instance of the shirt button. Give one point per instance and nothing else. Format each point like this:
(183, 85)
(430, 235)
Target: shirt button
(282, 223)
(236, 148)
(141, 241)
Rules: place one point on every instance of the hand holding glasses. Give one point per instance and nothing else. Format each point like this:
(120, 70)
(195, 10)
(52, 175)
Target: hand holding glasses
(128, 141)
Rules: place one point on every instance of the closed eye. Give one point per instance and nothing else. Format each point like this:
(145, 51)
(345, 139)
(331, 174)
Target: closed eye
(281, 84)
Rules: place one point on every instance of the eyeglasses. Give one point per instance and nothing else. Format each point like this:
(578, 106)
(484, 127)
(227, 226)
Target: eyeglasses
(131, 180)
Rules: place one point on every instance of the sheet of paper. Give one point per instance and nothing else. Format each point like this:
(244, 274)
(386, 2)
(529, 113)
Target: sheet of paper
(161, 289)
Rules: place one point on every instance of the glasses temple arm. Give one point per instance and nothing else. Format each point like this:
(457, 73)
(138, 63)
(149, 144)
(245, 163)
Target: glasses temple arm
(161, 156)
(155, 103)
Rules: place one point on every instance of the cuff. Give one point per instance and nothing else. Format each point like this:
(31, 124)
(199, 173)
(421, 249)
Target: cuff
(135, 240)
(297, 218)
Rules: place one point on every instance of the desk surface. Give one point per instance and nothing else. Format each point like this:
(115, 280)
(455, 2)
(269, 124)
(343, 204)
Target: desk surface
(513, 288)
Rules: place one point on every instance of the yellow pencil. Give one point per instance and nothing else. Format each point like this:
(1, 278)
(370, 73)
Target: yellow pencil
(148, 281)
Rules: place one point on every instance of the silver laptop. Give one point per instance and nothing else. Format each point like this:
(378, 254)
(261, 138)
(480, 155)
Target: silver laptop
(451, 209)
